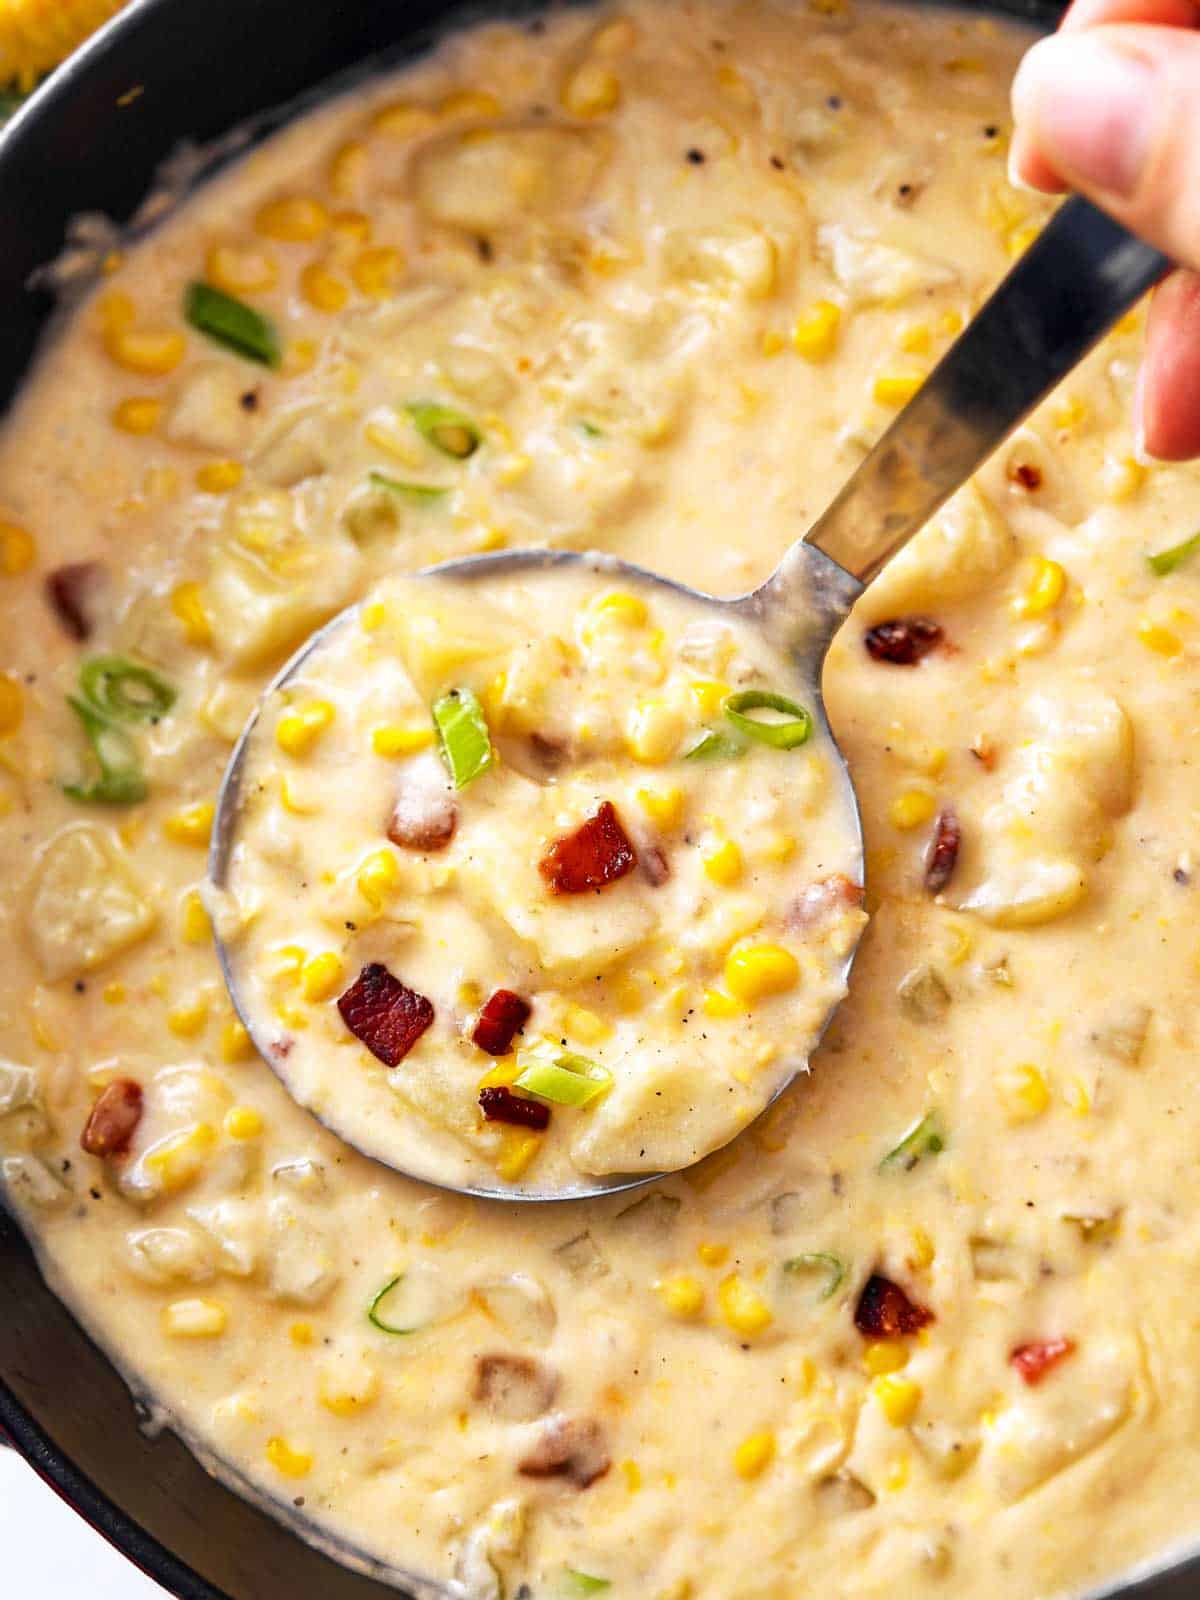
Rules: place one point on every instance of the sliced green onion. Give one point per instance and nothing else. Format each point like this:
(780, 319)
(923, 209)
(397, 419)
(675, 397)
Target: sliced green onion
(797, 730)
(232, 323)
(1167, 560)
(377, 1310)
(714, 746)
(445, 428)
(120, 781)
(463, 731)
(579, 1583)
(124, 690)
(832, 1266)
(424, 492)
(926, 1137)
(589, 429)
(563, 1078)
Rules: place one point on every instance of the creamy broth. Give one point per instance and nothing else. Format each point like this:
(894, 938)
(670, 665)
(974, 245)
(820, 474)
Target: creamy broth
(927, 1327)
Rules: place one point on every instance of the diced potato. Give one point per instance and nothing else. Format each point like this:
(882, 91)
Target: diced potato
(302, 1267)
(86, 905)
(498, 1538)
(300, 443)
(30, 1182)
(1026, 894)
(235, 1231)
(955, 556)
(18, 1087)
(874, 273)
(169, 1255)
(208, 413)
(490, 179)
(738, 258)
(661, 1109)
(442, 640)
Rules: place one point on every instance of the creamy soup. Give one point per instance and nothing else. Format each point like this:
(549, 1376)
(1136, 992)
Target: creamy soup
(927, 1326)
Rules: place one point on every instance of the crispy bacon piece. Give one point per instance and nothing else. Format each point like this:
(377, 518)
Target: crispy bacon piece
(503, 1016)
(818, 902)
(68, 590)
(1026, 475)
(1034, 1361)
(884, 1311)
(514, 1388)
(941, 857)
(903, 641)
(114, 1119)
(499, 1104)
(384, 1013)
(425, 814)
(596, 854)
(569, 1447)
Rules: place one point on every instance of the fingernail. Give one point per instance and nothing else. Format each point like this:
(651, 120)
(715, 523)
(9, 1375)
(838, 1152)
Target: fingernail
(1140, 454)
(1092, 109)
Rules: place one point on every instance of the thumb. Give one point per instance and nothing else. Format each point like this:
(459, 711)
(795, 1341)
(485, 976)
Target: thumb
(1115, 112)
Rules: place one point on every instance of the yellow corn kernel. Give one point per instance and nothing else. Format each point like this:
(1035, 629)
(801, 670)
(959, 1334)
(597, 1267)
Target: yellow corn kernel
(185, 1022)
(754, 1455)
(1161, 640)
(771, 342)
(152, 352)
(390, 739)
(376, 270)
(403, 120)
(12, 704)
(579, 1022)
(301, 1334)
(591, 90)
(1023, 1092)
(345, 1397)
(630, 609)
(348, 169)
(951, 323)
(321, 975)
(1077, 1096)
(373, 616)
(778, 846)
(745, 1311)
(475, 103)
(912, 808)
(896, 389)
(240, 271)
(654, 731)
(1045, 588)
(709, 694)
(711, 1254)
(322, 289)
(759, 970)
(177, 1161)
(378, 877)
(518, 1147)
(1069, 413)
(192, 825)
(815, 334)
(194, 923)
(139, 415)
(194, 1319)
(724, 863)
(898, 1398)
(219, 477)
(187, 604)
(297, 731)
(115, 311)
(114, 994)
(664, 807)
(243, 1122)
(883, 1356)
(922, 1253)
(1020, 239)
(1123, 478)
(916, 339)
(683, 1296)
(351, 227)
(17, 550)
(292, 1463)
(294, 219)
(614, 38)
(503, 1074)
(299, 356)
(236, 1044)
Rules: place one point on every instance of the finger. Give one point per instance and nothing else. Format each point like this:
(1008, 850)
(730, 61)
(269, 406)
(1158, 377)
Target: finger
(1170, 383)
(1115, 111)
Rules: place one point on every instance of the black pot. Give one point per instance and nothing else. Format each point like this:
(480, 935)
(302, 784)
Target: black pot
(203, 66)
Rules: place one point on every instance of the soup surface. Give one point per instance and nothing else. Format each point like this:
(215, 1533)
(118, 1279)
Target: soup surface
(928, 1327)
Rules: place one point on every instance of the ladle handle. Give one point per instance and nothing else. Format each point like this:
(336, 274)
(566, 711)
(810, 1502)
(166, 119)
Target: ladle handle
(1081, 275)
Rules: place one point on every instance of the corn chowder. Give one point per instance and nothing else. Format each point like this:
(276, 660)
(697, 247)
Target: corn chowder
(927, 1327)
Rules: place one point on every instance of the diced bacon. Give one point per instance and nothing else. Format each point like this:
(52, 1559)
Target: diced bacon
(596, 854)
(499, 1104)
(941, 857)
(822, 900)
(425, 814)
(502, 1017)
(903, 641)
(69, 590)
(1033, 1361)
(884, 1311)
(385, 1014)
(114, 1119)
(569, 1447)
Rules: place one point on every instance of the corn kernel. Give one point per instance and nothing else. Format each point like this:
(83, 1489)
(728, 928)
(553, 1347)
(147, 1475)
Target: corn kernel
(771, 342)
(682, 1296)
(711, 1254)
(240, 271)
(630, 609)
(518, 1147)
(503, 1074)
(922, 1252)
(1123, 478)
(152, 352)
(297, 731)
(896, 389)
(378, 877)
(178, 1160)
(1020, 239)
(285, 1459)
(351, 227)
(912, 808)
(898, 1398)
(1077, 1096)
(192, 825)
(194, 1319)
(186, 1022)
(916, 339)
(376, 270)
(1161, 640)
(1045, 589)
(746, 1312)
(322, 289)
(754, 1455)
(1069, 413)
(348, 169)
(301, 1334)
(477, 104)
(373, 616)
(654, 731)
(294, 219)
(140, 415)
(12, 704)
(709, 694)
(724, 863)
(757, 971)
(390, 739)
(403, 120)
(187, 604)
(236, 1044)
(299, 356)
(664, 807)
(581, 1023)
(345, 1398)
(17, 550)
(194, 923)
(883, 1356)
(219, 477)
(1023, 1092)
(591, 90)
(114, 994)
(243, 1122)
(321, 975)
(815, 334)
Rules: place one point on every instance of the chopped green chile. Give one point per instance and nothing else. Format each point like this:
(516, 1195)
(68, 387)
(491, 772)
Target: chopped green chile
(463, 731)
(926, 1137)
(423, 493)
(377, 1310)
(714, 746)
(124, 690)
(446, 429)
(563, 1078)
(1174, 556)
(786, 735)
(581, 1583)
(819, 1261)
(233, 324)
(120, 781)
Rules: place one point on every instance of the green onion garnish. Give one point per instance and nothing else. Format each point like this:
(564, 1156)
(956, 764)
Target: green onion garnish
(232, 323)
(376, 1311)
(832, 1266)
(446, 429)
(589, 429)
(424, 492)
(120, 781)
(797, 730)
(926, 1137)
(579, 1583)
(560, 1076)
(714, 746)
(124, 690)
(1167, 560)
(463, 731)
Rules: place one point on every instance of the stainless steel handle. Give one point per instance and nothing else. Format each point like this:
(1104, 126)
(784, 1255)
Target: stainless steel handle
(1081, 275)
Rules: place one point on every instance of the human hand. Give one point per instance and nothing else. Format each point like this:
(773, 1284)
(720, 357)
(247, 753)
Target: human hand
(1110, 106)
